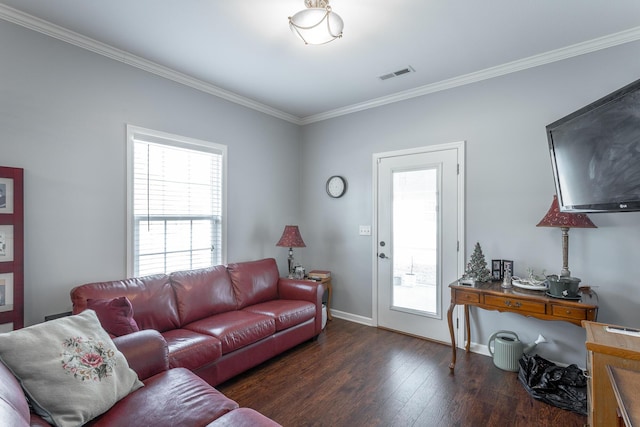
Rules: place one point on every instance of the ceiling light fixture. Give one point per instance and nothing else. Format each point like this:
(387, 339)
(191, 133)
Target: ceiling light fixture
(317, 24)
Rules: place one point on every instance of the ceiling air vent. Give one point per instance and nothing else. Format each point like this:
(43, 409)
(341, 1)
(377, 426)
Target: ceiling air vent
(397, 73)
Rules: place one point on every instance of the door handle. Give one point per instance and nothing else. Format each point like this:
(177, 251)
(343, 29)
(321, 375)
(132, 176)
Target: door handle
(383, 256)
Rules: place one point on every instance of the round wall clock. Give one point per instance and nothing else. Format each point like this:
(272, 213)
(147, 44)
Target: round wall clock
(336, 186)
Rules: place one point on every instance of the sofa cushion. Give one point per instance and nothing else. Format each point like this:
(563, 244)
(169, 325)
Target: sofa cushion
(191, 350)
(115, 315)
(146, 352)
(152, 298)
(287, 313)
(176, 397)
(235, 329)
(254, 281)
(203, 292)
(244, 417)
(69, 368)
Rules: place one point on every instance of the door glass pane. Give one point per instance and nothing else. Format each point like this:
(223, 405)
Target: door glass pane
(415, 243)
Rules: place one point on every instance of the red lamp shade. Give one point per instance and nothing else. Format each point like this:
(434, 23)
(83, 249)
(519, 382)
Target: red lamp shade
(564, 220)
(291, 238)
(555, 218)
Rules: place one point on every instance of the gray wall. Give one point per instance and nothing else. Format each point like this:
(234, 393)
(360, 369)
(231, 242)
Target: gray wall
(63, 112)
(509, 188)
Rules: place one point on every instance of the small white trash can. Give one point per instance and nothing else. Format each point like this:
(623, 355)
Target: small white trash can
(324, 315)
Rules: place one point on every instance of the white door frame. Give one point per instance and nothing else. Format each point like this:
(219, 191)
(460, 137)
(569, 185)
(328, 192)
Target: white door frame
(460, 146)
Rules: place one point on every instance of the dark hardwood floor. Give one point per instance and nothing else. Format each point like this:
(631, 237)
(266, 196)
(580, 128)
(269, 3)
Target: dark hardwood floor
(355, 375)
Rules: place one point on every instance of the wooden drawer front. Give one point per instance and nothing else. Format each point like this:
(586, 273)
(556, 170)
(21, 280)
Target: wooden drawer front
(463, 297)
(569, 312)
(515, 304)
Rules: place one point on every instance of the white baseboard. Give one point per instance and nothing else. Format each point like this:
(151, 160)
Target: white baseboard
(484, 350)
(367, 321)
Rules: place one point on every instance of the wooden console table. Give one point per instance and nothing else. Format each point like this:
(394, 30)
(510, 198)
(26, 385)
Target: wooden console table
(491, 296)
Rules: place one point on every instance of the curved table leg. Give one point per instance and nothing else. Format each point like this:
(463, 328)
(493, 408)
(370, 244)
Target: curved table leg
(452, 365)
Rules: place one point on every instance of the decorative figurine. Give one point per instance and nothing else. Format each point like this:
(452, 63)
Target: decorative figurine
(477, 270)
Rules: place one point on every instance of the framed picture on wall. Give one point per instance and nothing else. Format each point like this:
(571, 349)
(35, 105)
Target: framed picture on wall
(6, 292)
(11, 247)
(6, 196)
(6, 243)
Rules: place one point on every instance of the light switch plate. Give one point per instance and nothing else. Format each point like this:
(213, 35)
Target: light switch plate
(365, 230)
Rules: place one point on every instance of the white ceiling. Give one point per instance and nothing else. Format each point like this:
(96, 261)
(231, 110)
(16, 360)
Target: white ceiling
(244, 51)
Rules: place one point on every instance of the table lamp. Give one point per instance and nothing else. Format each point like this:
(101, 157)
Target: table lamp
(291, 238)
(565, 221)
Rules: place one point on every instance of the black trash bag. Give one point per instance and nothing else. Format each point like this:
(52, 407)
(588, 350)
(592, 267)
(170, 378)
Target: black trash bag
(565, 388)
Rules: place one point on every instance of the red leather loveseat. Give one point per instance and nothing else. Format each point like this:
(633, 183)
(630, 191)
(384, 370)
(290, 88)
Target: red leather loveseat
(218, 321)
(170, 397)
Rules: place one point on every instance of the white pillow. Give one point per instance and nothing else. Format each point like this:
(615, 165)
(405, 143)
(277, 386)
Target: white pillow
(69, 368)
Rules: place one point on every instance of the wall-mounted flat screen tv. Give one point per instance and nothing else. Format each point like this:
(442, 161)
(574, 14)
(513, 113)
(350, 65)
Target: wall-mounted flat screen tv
(595, 154)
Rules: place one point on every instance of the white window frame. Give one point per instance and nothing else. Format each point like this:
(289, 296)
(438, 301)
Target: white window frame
(177, 141)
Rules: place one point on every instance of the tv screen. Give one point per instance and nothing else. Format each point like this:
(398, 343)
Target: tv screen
(595, 154)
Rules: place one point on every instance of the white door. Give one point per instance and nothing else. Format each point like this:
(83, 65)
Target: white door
(419, 225)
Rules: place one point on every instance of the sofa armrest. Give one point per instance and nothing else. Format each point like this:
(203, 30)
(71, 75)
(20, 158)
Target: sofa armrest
(36, 421)
(146, 352)
(304, 290)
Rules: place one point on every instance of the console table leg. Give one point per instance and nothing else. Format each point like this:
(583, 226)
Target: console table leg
(452, 365)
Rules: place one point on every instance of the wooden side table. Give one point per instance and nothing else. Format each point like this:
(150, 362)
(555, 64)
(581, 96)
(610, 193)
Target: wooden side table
(326, 281)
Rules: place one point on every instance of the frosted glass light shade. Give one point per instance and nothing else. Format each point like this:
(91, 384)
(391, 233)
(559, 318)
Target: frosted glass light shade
(316, 25)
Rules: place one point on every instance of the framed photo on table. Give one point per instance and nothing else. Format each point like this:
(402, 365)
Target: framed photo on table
(499, 267)
(11, 248)
(507, 266)
(496, 269)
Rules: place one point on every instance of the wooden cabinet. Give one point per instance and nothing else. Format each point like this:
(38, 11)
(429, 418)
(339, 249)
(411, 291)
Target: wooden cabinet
(626, 387)
(606, 349)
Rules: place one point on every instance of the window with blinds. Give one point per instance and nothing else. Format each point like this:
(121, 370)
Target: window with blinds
(175, 202)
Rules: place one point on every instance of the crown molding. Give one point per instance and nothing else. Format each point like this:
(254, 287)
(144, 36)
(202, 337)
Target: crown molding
(577, 49)
(36, 24)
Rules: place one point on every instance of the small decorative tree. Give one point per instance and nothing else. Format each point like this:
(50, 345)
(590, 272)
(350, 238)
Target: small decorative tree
(477, 267)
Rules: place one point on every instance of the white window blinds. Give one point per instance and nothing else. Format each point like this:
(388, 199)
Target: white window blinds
(176, 202)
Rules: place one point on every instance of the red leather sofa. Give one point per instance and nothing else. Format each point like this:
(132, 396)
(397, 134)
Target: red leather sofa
(170, 397)
(218, 321)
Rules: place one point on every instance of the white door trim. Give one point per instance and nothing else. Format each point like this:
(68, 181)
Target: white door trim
(460, 146)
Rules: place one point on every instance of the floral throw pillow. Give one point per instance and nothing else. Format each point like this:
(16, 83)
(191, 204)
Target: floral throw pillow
(69, 368)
